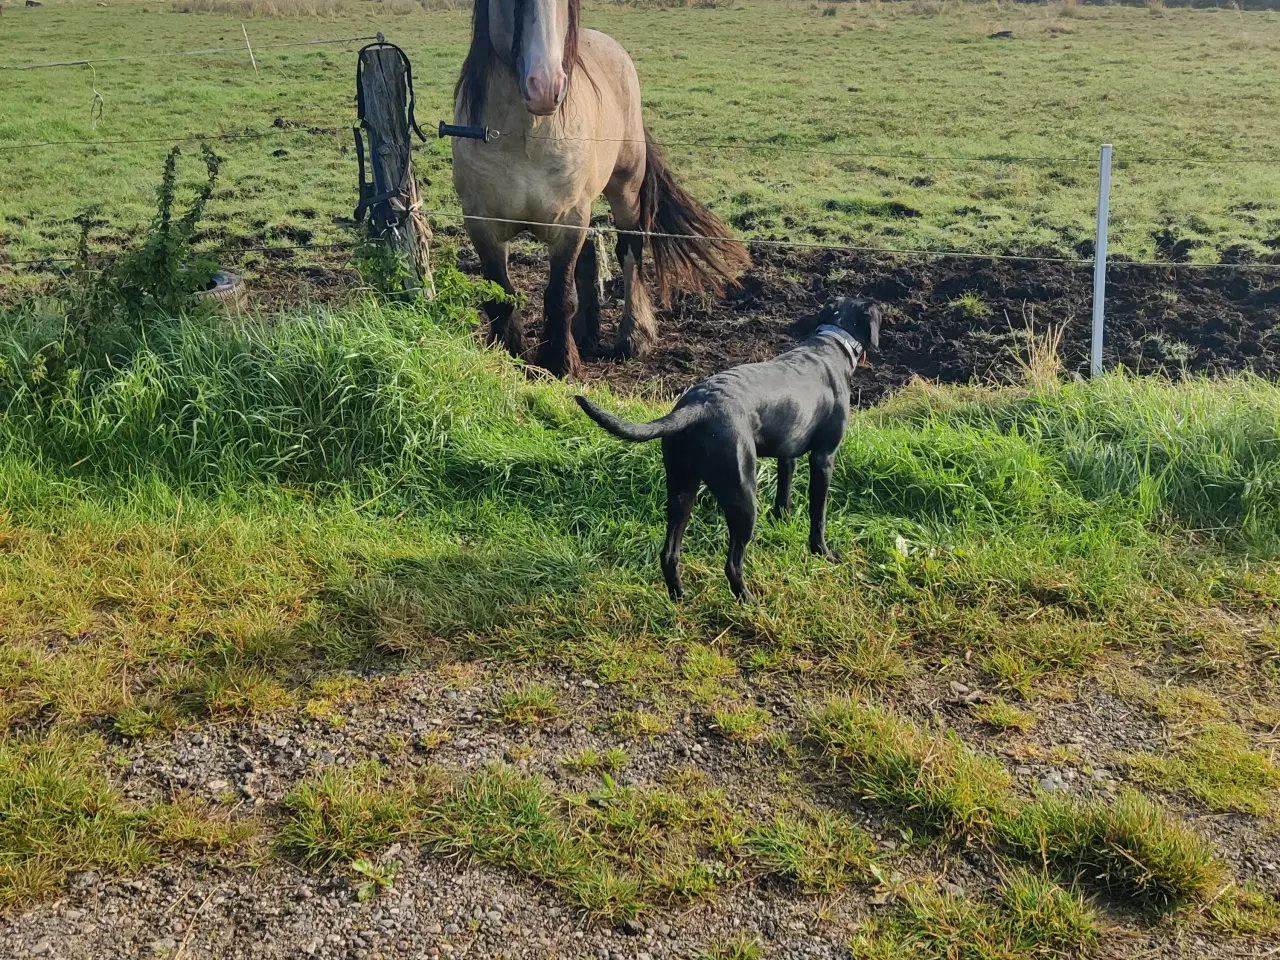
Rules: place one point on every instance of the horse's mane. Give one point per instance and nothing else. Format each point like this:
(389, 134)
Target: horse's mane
(472, 83)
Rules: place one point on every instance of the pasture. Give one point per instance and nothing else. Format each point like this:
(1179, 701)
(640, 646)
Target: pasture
(872, 79)
(325, 632)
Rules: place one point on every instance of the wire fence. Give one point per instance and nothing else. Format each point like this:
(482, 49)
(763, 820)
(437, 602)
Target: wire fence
(181, 53)
(755, 242)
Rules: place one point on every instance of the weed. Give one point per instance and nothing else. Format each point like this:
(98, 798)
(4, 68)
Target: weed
(108, 307)
(971, 305)
(374, 878)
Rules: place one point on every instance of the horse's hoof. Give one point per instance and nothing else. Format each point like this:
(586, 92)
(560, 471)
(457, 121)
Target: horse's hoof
(560, 365)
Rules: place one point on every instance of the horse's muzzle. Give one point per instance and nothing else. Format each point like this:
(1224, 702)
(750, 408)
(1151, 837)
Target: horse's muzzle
(544, 90)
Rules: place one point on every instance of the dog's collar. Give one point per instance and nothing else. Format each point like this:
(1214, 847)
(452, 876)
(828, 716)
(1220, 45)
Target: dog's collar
(848, 342)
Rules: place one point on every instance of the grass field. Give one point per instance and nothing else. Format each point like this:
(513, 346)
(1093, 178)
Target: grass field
(327, 630)
(872, 78)
(214, 532)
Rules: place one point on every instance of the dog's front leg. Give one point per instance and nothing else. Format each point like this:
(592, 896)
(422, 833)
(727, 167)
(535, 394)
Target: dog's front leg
(821, 466)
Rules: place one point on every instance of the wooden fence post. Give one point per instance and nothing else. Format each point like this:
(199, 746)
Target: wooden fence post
(391, 199)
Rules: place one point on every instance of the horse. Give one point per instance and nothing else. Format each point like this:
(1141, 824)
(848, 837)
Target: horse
(566, 104)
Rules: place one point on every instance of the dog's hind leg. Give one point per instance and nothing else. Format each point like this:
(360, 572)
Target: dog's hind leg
(821, 466)
(682, 492)
(742, 523)
(734, 484)
(786, 477)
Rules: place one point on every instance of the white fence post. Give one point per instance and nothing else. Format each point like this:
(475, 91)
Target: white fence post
(1100, 259)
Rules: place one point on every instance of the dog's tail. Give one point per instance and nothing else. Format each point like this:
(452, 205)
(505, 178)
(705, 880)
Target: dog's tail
(673, 422)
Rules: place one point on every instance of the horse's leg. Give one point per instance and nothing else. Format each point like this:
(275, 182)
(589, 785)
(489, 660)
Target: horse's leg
(586, 324)
(558, 351)
(638, 330)
(506, 325)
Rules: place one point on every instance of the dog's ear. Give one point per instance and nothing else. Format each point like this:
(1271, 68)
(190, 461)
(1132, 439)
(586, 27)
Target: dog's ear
(875, 318)
(807, 324)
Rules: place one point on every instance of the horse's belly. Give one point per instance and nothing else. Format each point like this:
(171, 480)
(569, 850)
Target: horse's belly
(537, 184)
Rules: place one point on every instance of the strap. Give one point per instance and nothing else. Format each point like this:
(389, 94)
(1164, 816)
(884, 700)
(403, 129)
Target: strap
(848, 342)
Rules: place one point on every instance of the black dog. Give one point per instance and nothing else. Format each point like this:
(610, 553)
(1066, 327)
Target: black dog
(794, 404)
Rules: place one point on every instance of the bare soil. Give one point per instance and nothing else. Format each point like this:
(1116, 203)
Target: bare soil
(1184, 320)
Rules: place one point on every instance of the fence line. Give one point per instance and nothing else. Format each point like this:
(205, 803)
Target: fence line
(193, 138)
(695, 144)
(989, 158)
(180, 53)
(746, 241)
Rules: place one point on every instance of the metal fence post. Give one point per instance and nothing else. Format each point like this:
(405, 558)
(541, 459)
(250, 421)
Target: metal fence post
(1100, 259)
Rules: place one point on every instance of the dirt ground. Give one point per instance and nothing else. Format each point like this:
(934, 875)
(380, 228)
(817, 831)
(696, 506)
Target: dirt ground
(1181, 320)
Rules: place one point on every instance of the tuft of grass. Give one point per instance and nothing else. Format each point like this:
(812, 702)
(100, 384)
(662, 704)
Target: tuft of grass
(1188, 705)
(344, 815)
(971, 305)
(1002, 715)
(610, 760)
(927, 777)
(1045, 915)
(59, 814)
(820, 853)
(1216, 766)
(1032, 916)
(747, 722)
(1129, 846)
(1245, 912)
(640, 724)
(741, 947)
(616, 853)
(528, 703)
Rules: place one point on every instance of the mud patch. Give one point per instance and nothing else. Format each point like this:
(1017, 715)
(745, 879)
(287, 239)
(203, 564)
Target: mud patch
(956, 320)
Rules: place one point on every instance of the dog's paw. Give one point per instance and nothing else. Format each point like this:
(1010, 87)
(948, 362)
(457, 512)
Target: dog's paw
(822, 550)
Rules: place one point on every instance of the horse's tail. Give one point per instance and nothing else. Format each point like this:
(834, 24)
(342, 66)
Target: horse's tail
(669, 214)
(673, 422)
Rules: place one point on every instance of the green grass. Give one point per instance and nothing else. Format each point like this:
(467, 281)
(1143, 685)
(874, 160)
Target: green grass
(819, 853)
(818, 90)
(741, 947)
(1031, 916)
(236, 514)
(528, 703)
(747, 722)
(934, 783)
(1000, 714)
(59, 814)
(926, 776)
(341, 815)
(1217, 767)
(610, 760)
